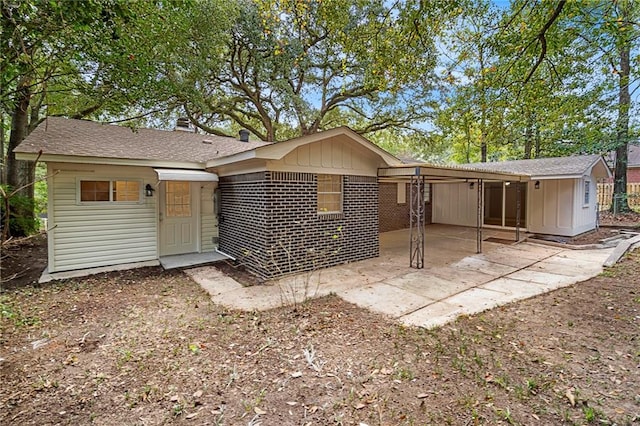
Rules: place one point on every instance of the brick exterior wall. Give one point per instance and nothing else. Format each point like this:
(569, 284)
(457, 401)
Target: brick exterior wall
(269, 222)
(394, 216)
(633, 175)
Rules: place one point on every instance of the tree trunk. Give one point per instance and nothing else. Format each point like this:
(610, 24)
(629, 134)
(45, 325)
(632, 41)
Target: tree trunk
(537, 142)
(3, 158)
(528, 139)
(19, 125)
(483, 109)
(467, 134)
(620, 202)
(20, 173)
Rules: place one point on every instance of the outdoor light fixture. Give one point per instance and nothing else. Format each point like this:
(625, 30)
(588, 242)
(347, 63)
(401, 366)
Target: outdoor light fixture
(537, 185)
(507, 183)
(148, 190)
(471, 185)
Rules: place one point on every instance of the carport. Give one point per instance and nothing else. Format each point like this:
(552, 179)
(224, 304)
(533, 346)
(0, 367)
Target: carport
(420, 175)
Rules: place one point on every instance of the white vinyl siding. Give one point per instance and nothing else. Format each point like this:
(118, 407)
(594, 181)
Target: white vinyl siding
(585, 214)
(208, 218)
(87, 235)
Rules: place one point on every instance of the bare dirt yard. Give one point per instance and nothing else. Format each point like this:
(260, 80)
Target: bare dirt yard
(149, 347)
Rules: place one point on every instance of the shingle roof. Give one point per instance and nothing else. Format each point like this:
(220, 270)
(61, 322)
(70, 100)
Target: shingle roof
(634, 156)
(61, 136)
(557, 166)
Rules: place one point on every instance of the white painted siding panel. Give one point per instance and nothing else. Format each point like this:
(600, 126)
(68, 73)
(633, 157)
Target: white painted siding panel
(328, 156)
(208, 218)
(551, 207)
(101, 234)
(585, 215)
(454, 204)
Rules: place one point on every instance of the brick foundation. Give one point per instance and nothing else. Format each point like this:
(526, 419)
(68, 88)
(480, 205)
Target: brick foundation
(269, 221)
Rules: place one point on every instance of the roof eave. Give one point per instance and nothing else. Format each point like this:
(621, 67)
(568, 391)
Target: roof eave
(233, 158)
(449, 172)
(56, 158)
(556, 177)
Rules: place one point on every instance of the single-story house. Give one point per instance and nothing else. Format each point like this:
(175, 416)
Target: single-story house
(559, 198)
(117, 195)
(122, 196)
(633, 165)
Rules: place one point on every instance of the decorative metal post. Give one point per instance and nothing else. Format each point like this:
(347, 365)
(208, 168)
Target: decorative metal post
(416, 220)
(518, 211)
(479, 218)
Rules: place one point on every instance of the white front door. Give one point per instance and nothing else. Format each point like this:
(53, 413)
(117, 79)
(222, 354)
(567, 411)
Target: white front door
(178, 217)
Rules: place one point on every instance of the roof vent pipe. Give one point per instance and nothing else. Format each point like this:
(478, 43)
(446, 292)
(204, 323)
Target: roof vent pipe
(244, 135)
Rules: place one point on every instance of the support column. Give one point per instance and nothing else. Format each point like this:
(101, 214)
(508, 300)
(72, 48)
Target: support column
(416, 220)
(517, 211)
(479, 219)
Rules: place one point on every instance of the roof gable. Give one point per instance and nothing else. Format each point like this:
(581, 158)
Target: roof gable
(57, 136)
(278, 151)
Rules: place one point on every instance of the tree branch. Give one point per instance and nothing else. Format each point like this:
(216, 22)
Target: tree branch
(543, 40)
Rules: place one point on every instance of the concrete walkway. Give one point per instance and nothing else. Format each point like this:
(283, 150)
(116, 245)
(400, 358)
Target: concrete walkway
(446, 288)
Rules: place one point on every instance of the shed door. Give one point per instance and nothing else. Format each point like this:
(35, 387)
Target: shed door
(178, 218)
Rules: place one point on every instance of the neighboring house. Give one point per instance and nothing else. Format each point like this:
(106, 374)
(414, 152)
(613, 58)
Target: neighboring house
(559, 199)
(633, 165)
(120, 196)
(605, 189)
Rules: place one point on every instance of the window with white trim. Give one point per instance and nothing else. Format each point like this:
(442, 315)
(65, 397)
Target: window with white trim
(587, 192)
(329, 193)
(116, 191)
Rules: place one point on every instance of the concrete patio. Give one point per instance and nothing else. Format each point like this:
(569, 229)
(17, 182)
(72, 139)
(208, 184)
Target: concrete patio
(455, 279)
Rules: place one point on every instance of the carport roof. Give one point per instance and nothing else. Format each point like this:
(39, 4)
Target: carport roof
(516, 170)
(436, 173)
(548, 168)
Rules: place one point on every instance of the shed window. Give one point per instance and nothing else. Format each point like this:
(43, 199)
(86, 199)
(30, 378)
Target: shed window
(329, 193)
(110, 191)
(587, 192)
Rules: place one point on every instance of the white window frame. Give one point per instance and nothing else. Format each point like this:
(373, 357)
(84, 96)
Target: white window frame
(111, 183)
(318, 192)
(586, 193)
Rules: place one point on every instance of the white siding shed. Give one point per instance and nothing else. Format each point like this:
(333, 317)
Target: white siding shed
(87, 235)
